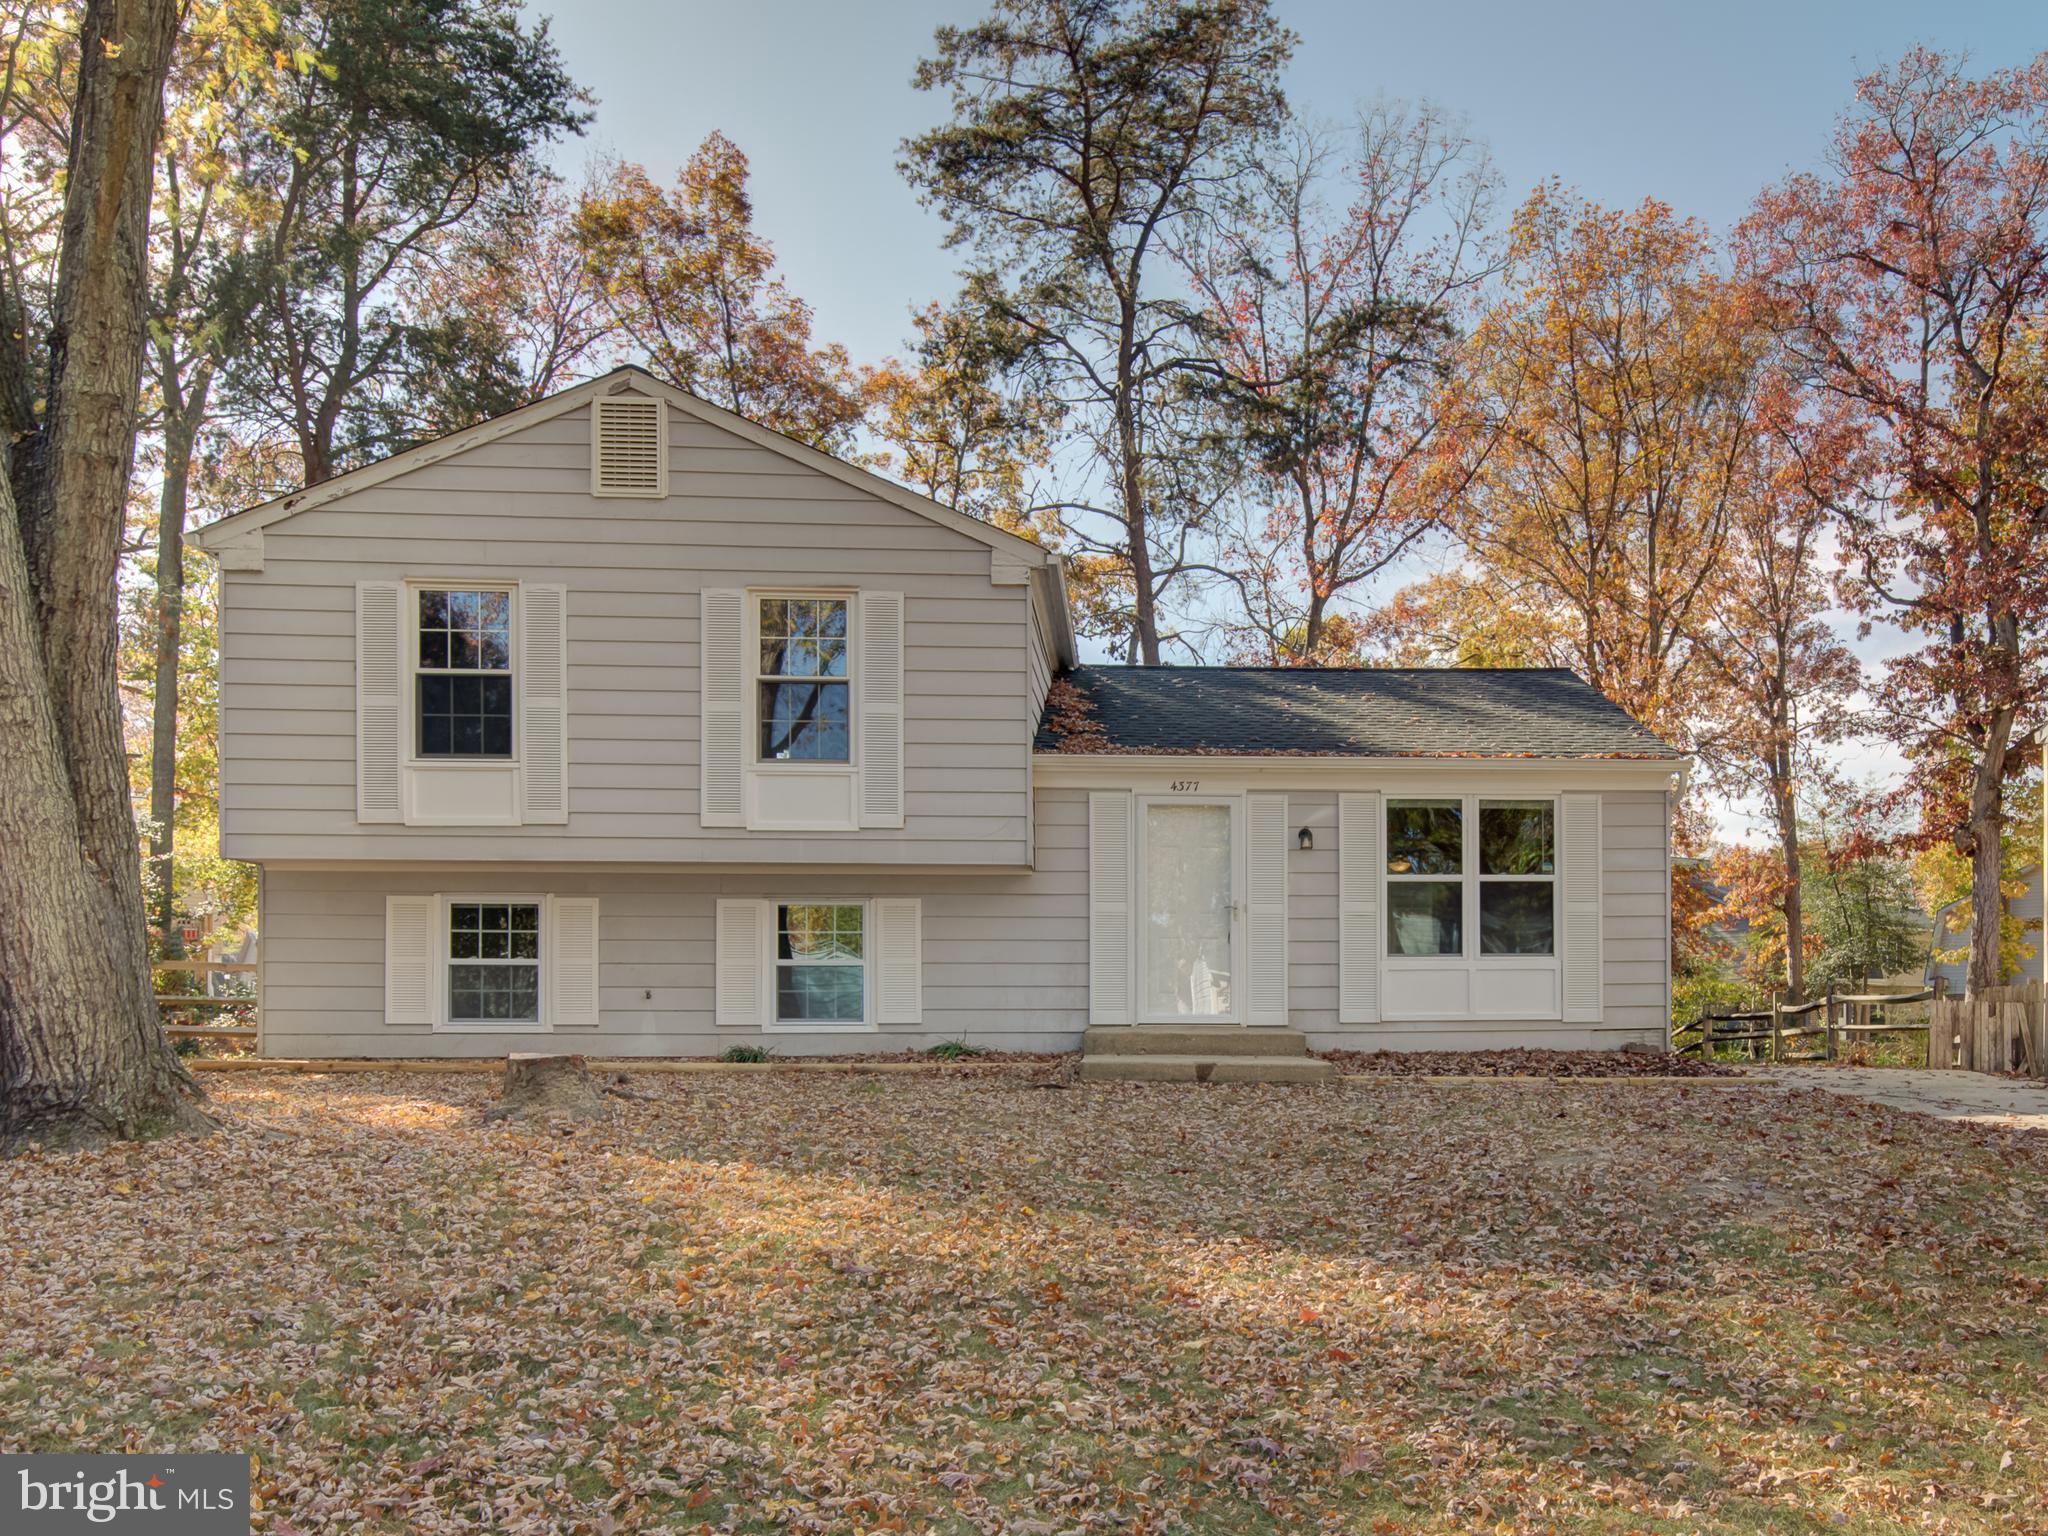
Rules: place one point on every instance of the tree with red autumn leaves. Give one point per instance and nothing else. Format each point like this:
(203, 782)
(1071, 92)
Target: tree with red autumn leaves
(1910, 281)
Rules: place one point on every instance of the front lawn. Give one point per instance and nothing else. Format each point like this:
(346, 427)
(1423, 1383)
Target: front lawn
(961, 1302)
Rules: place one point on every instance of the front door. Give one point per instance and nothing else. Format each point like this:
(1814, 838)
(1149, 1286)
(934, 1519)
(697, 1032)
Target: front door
(1188, 924)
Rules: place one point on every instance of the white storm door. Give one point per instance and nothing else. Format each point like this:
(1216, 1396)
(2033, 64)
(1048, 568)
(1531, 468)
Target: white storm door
(1188, 913)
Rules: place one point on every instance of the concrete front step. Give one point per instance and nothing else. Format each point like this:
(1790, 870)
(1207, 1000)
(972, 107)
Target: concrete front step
(1164, 1067)
(1211, 1041)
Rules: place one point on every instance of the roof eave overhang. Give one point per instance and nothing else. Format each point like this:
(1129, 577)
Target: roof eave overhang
(1311, 770)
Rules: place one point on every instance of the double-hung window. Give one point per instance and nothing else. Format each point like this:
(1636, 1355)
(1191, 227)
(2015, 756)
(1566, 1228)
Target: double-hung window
(1425, 877)
(494, 962)
(1443, 883)
(821, 964)
(803, 681)
(1517, 877)
(462, 686)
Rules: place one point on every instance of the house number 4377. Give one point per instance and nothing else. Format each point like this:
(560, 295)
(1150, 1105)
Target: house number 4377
(1186, 786)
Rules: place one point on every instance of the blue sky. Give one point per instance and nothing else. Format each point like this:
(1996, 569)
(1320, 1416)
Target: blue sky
(1699, 104)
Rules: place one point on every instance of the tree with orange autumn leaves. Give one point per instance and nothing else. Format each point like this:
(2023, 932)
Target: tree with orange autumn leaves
(1608, 404)
(691, 284)
(1777, 680)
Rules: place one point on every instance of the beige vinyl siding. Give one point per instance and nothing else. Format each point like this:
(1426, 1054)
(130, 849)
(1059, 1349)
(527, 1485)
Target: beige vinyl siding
(1005, 954)
(519, 508)
(1312, 914)
(1042, 655)
(1634, 934)
(1635, 915)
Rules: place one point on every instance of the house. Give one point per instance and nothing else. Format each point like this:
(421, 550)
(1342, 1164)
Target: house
(1948, 942)
(620, 724)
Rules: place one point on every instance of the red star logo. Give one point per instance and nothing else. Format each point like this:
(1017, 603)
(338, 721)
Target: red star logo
(156, 1482)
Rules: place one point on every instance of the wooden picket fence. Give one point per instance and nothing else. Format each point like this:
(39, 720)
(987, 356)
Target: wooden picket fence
(2001, 1029)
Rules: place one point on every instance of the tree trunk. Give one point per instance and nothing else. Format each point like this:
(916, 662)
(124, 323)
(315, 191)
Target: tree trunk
(170, 629)
(538, 1086)
(1987, 824)
(1785, 808)
(82, 1052)
(1145, 612)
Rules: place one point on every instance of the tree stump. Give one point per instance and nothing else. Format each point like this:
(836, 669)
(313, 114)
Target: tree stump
(537, 1087)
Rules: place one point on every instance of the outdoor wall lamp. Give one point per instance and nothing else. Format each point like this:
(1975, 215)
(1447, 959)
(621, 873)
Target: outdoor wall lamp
(1305, 839)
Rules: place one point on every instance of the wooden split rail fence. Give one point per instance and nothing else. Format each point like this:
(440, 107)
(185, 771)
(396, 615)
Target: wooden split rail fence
(200, 1015)
(1814, 1031)
(2001, 1029)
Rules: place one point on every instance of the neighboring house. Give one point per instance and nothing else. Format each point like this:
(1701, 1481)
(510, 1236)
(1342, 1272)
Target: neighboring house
(1948, 946)
(623, 725)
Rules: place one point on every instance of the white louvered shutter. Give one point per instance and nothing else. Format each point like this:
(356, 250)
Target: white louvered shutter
(544, 703)
(881, 709)
(722, 672)
(1109, 907)
(1359, 858)
(1579, 877)
(380, 701)
(899, 960)
(628, 446)
(742, 961)
(1265, 950)
(569, 955)
(412, 956)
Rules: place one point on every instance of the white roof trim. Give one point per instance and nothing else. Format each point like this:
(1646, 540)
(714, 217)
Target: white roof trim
(212, 536)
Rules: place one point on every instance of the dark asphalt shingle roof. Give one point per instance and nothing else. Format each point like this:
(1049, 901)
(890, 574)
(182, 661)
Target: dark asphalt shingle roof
(1339, 711)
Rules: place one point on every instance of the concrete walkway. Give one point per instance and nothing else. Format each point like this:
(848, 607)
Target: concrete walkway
(1945, 1095)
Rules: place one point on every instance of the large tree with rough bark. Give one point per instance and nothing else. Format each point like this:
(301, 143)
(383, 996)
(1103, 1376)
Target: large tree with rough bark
(1083, 135)
(82, 1052)
(1910, 280)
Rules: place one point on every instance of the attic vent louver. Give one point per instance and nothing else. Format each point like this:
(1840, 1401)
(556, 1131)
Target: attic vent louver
(628, 448)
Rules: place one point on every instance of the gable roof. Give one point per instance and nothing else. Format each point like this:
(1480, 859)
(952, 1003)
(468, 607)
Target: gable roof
(1340, 712)
(237, 527)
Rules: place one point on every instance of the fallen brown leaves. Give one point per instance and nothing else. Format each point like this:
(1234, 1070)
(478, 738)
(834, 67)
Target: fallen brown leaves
(798, 1302)
(1527, 1062)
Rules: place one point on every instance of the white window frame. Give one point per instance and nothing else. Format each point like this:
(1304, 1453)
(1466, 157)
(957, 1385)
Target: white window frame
(755, 677)
(414, 671)
(442, 1021)
(1480, 878)
(1469, 879)
(1141, 915)
(769, 960)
